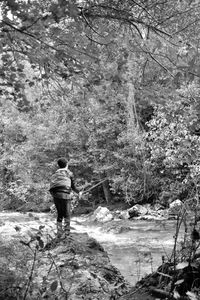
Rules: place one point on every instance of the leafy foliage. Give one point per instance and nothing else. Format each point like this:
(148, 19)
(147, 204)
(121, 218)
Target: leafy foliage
(112, 84)
(84, 78)
(173, 148)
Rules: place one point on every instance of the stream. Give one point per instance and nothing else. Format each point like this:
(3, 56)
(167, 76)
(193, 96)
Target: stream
(135, 252)
(139, 251)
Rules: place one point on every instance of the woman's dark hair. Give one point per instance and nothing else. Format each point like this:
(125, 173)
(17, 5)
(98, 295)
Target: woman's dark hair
(62, 162)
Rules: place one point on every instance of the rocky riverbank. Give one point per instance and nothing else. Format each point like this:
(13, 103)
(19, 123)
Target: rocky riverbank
(104, 215)
(35, 265)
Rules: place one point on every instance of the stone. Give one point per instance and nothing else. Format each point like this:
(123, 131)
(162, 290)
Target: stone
(148, 207)
(116, 215)
(102, 215)
(163, 213)
(137, 210)
(123, 229)
(116, 228)
(125, 215)
(150, 218)
(158, 207)
(93, 244)
(175, 207)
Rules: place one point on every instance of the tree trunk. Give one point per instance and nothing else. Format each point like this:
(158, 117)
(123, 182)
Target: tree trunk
(106, 190)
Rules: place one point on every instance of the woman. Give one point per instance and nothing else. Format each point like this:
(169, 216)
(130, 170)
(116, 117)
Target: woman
(61, 185)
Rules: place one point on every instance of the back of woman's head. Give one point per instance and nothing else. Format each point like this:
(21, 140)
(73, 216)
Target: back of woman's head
(62, 162)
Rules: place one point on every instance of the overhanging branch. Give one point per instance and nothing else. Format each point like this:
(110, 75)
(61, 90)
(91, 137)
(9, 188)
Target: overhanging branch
(124, 17)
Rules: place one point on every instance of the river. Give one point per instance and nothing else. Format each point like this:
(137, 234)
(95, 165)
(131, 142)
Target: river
(135, 252)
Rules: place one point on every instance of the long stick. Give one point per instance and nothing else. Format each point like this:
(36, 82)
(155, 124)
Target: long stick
(91, 188)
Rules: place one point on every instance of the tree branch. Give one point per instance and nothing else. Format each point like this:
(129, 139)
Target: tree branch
(159, 63)
(143, 8)
(44, 43)
(99, 43)
(88, 23)
(126, 19)
(188, 25)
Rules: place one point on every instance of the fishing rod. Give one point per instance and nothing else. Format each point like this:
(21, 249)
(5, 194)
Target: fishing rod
(92, 187)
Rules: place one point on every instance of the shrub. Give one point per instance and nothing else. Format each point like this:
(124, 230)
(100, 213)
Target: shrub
(173, 149)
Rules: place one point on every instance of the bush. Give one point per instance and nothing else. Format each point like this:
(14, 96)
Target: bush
(13, 269)
(173, 150)
(25, 197)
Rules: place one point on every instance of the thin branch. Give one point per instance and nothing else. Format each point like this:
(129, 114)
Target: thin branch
(143, 8)
(152, 57)
(58, 273)
(178, 13)
(77, 50)
(106, 7)
(88, 23)
(31, 274)
(163, 274)
(28, 34)
(102, 44)
(161, 65)
(188, 25)
(165, 56)
(136, 29)
(129, 19)
(46, 44)
(144, 67)
(156, 30)
(31, 25)
(165, 38)
(194, 74)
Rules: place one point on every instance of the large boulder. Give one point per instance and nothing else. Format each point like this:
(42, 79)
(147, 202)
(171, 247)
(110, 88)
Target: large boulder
(101, 215)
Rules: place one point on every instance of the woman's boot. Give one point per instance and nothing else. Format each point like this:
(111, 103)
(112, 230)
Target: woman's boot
(59, 229)
(66, 227)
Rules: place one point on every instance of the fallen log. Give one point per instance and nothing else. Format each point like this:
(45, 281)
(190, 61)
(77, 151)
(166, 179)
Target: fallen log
(161, 293)
(164, 294)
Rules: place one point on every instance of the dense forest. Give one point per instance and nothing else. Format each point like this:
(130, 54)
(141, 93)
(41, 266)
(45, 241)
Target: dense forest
(114, 85)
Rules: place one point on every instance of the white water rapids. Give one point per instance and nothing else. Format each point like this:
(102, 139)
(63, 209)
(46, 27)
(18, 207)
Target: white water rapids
(135, 253)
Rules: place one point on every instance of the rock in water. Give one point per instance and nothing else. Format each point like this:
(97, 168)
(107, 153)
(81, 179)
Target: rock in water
(125, 215)
(102, 215)
(175, 207)
(137, 210)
